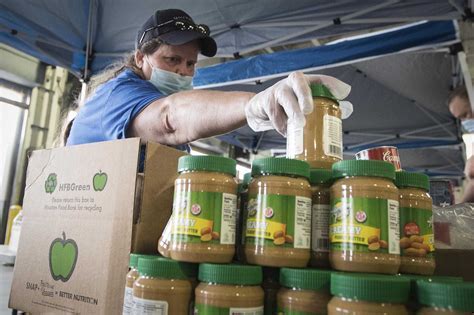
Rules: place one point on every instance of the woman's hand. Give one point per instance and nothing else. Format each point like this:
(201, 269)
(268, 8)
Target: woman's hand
(289, 100)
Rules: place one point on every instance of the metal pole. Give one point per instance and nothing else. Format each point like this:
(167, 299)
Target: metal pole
(88, 41)
(319, 26)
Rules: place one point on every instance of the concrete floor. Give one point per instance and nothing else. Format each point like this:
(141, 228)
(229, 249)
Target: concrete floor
(6, 275)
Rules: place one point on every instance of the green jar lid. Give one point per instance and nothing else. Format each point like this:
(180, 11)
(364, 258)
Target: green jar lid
(369, 168)
(320, 176)
(134, 259)
(416, 180)
(320, 90)
(161, 267)
(458, 296)
(280, 166)
(370, 287)
(414, 278)
(207, 163)
(230, 274)
(305, 279)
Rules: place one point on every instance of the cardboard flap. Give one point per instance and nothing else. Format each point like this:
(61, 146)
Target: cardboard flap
(75, 239)
(161, 163)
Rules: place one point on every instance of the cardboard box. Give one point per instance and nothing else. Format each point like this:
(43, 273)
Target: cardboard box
(80, 224)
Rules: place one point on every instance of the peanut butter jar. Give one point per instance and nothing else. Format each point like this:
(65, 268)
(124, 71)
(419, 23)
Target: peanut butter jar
(440, 298)
(203, 225)
(229, 289)
(364, 221)
(130, 278)
(416, 224)
(278, 223)
(368, 294)
(304, 291)
(319, 143)
(321, 181)
(163, 287)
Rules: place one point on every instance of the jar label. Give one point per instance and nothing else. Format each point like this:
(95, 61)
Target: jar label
(364, 225)
(288, 311)
(320, 228)
(332, 136)
(416, 232)
(128, 301)
(149, 307)
(294, 140)
(204, 217)
(279, 221)
(204, 309)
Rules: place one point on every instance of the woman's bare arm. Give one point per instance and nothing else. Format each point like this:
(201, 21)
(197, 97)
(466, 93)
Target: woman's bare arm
(190, 115)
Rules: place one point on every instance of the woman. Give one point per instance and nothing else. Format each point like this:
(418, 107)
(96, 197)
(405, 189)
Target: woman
(150, 95)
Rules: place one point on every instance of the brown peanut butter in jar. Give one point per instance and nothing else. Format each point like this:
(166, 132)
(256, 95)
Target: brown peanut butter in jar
(441, 298)
(320, 180)
(319, 143)
(364, 220)
(203, 225)
(163, 287)
(131, 276)
(229, 289)
(278, 223)
(416, 224)
(304, 291)
(368, 294)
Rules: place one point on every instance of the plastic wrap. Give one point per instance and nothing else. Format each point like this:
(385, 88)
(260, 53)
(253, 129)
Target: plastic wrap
(454, 226)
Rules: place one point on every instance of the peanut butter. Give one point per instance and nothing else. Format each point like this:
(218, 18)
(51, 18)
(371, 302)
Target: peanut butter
(441, 298)
(368, 294)
(203, 224)
(320, 143)
(304, 291)
(320, 180)
(278, 223)
(416, 224)
(229, 289)
(364, 222)
(162, 287)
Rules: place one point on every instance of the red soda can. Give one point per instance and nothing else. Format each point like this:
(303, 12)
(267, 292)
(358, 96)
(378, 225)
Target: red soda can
(384, 153)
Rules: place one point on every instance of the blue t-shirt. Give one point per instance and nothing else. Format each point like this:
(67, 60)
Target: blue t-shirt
(108, 113)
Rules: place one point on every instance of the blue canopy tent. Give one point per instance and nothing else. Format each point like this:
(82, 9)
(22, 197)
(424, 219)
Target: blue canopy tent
(85, 36)
(400, 81)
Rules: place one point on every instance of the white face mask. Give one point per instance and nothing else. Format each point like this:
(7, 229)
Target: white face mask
(169, 82)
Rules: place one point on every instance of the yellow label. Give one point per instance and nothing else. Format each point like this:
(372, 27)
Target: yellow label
(190, 226)
(429, 240)
(355, 233)
(264, 229)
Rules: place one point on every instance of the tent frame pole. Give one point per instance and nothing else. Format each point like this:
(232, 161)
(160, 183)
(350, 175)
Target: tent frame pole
(320, 26)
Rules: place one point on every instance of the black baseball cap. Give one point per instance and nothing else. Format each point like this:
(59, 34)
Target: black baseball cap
(176, 27)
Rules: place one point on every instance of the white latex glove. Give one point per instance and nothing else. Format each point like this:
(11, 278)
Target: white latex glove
(288, 100)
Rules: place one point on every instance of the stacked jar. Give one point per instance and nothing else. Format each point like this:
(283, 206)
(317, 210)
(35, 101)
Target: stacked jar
(441, 298)
(278, 223)
(368, 294)
(319, 143)
(203, 225)
(163, 286)
(364, 222)
(416, 224)
(320, 180)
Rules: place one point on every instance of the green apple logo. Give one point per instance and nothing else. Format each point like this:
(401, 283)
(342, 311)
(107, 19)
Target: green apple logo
(99, 181)
(62, 258)
(50, 183)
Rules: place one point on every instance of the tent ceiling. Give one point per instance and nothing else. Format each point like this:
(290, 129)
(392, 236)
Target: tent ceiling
(57, 31)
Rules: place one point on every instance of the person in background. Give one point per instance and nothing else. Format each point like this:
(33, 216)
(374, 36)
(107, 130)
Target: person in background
(150, 95)
(460, 107)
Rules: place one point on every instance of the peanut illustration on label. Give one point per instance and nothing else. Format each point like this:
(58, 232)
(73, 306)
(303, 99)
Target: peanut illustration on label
(412, 243)
(375, 243)
(207, 234)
